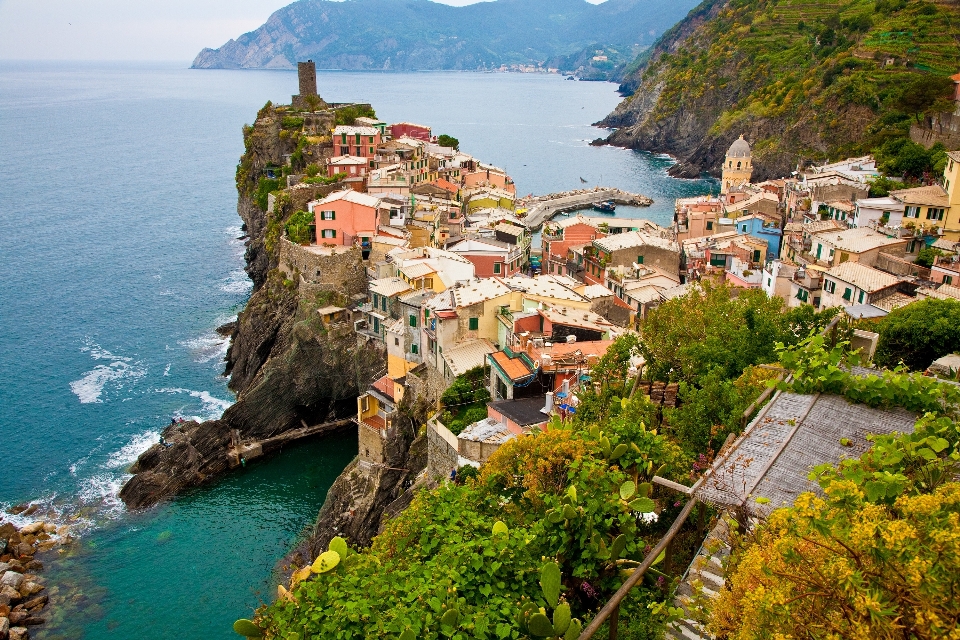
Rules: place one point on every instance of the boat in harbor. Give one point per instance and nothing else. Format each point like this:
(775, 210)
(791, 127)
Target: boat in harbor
(606, 207)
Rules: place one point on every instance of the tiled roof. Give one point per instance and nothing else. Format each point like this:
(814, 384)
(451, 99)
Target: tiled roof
(341, 160)
(384, 385)
(632, 239)
(588, 348)
(514, 368)
(856, 240)
(488, 430)
(576, 317)
(524, 412)
(932, 195)
(862, 277)
(467, 355)
(594, 291)
(478, 291)
(446, 185)
(895, 301)
(389, 286)
(350, 196)
(375, 422)
(511, 229)
(822, 225)
(351, 131)
(417, 269)
(543, 286)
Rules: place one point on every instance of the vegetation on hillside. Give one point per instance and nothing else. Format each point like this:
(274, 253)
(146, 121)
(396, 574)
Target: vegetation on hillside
(812, 80)
(878, 555)
(919, 333)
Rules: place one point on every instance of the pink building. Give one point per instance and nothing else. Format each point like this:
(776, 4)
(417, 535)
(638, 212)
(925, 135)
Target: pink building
(346, 218)
(352, 166)
(490, 257)
(560, 238)
(487, 176)
(410, 130)
(356, 141)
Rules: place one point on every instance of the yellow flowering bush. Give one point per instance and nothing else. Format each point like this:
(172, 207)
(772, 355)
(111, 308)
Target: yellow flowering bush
(843, 566)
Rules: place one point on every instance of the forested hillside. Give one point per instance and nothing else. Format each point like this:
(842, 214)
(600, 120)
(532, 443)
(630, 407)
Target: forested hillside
(801, 79)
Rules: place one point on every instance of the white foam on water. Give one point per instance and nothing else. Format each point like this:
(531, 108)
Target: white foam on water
(128, 453)
(211, 408)
(237, 282)
(90, 387)
(207, 347)
(166, 372)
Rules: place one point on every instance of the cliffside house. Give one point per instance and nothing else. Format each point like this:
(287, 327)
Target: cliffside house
(411, 130)
(347, 218)
(351, 166)
(356, 141)
(490, 257)
(382, 308)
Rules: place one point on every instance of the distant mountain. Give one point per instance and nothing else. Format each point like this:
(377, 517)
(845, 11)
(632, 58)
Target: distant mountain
(420, 34)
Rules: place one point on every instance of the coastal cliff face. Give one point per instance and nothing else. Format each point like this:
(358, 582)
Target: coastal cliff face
(288, 369)
(808, 81)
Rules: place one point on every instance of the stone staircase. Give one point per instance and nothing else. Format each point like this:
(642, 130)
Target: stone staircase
(704, 580)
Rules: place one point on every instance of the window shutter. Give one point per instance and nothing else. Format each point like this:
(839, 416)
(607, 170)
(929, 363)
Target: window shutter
(474, 324)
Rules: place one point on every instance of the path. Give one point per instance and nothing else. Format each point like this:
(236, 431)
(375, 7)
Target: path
(550, 206)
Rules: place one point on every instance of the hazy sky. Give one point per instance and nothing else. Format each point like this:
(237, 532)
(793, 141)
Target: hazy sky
(128, 29)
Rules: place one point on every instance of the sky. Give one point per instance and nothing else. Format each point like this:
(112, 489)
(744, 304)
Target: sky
(128, 29)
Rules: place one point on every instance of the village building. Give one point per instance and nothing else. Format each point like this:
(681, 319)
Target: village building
(853, 283)
(763, 228)
(490, 257)
(878, 212)
(951, 185)
(411, 130)
(634, 247)
(831, 248)
(923, 207)
(356, 141)
(346, 218)
(776, 280)
(381, 308)
(697, 217)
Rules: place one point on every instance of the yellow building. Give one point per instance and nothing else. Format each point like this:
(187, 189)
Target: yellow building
(951, 179)
(737, 167)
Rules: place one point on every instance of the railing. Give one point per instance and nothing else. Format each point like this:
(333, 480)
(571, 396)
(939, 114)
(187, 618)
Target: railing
(611, 610)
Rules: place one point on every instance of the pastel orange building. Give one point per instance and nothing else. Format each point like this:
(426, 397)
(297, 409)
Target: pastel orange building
(346, 218)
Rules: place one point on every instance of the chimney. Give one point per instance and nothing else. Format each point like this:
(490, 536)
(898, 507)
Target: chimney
(548, 409)
(572, 338)
(565, 387)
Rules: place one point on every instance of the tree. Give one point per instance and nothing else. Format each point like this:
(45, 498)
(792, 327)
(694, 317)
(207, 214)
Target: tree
(926, 94)
(448, 141)
(927, 255)
(919, 333)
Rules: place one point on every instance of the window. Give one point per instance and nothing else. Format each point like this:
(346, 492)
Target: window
(947, 279)
(383, 303)
(376, 301)
(365, 403)
(639, 259)
(426, 314)
(328, 215)
(497, 267)
(847, 293)
(376, 325)
(414, 349)
(911, 212)
(709, 225)
(756, 255)
(802, 295)
(396, 342)
(328, 233)
(474, 324)
(744, 228)
(413, 320)
(428, 283)
(829, 286)
(769, 282)
(860, 298)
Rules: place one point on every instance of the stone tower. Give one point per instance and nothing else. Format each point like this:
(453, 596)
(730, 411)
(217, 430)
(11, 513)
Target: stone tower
(738, 166)
(308, 78)
(308, 97)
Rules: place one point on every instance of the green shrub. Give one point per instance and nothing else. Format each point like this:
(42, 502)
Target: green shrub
(349, 115)
(919, 333)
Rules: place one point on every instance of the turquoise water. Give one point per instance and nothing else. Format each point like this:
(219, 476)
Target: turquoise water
(119, 238)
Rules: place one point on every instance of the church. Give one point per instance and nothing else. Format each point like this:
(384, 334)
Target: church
(737, 167)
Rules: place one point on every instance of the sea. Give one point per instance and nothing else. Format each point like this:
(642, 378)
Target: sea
(120, 254)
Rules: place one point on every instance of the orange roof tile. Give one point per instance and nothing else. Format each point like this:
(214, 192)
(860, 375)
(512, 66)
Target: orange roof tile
(446, 185)
(516, 368)
(375, 422)
(384, 385)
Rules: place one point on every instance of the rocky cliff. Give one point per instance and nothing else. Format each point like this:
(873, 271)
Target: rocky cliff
(287, 368)
(412, 35)
(801, 80)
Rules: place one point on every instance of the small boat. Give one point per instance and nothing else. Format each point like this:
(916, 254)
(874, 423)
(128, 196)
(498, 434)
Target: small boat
(606, 207)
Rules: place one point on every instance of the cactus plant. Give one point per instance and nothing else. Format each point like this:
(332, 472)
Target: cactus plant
(339, 545)
(247, 629)
(407, 635)
(450, 618)
(326, 562)
(627, 489)
(550, 582)
(539, 625)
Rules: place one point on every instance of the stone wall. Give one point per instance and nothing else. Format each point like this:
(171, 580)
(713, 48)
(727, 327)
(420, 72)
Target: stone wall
(343, 270)
(944, 127)
(442, 455)
(371, 445)
(426, 383)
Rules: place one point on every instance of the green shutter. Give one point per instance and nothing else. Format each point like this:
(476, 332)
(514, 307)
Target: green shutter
(639, 259)
(860, 298)
(756, 256)
(847, 293)
(413, 320)
(474, 324)
(413, 349)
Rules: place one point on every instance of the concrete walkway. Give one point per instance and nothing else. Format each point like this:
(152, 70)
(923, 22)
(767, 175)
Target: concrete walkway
(704, 580)
(546, 209)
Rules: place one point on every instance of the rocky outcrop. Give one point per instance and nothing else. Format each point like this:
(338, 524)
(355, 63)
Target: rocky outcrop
(366, 496)
(288, 369)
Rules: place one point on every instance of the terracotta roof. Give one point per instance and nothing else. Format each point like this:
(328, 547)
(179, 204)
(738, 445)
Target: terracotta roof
(467, 356)
(514, 368)
(384, 385)
(446, 185)
(375, 422)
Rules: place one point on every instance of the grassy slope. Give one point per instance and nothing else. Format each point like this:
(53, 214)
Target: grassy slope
(806, 78)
